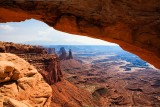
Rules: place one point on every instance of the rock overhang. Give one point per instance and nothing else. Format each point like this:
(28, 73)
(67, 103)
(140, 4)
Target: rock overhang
(134, 25)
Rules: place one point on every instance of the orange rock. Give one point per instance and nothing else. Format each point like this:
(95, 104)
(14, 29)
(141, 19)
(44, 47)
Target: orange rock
(23, 88)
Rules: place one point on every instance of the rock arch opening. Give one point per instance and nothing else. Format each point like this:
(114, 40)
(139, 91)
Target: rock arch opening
(134, 25)
(104, 72)
(34, 32)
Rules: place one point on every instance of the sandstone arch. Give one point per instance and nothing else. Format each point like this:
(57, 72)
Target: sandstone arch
(133, 24)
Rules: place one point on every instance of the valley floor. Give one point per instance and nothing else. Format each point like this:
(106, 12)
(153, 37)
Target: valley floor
(110, 86)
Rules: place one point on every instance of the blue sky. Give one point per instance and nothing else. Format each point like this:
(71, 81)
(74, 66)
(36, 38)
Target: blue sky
(36, 32)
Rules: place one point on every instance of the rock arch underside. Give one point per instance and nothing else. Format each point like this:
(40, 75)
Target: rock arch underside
(133, 24)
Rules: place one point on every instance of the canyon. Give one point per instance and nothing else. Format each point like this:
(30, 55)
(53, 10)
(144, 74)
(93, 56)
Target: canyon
(31, 77)
(134, 25)
(88, 76)
(113, 76)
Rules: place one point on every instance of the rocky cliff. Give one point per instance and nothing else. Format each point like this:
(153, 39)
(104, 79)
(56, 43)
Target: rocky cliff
(22, 86)
(47, 64)
(19, 82)
(9, 47)
(133, 24)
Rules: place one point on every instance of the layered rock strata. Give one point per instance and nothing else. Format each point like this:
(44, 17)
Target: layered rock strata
(9, 47)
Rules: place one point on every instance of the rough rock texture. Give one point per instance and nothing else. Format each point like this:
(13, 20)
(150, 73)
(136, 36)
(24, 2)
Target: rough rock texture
(66, 94)
(21, 85)
(133, 24)
(29, 90)
(47, 64)
(54, 71)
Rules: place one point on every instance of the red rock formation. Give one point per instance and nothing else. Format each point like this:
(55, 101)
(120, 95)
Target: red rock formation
(10, 47)
(62, 53)
(133, 24)
(47, 64)
(54, 70)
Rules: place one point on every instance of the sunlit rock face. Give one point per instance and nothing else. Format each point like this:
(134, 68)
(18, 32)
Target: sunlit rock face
(133, 24)
(46, 64)
(21, 85)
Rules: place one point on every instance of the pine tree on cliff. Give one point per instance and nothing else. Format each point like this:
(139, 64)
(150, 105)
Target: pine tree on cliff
(70, 55)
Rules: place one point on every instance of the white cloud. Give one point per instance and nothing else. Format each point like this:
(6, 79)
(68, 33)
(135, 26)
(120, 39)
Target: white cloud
(6, 27)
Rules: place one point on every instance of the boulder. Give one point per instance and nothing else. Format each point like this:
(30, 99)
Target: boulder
(21, 84)
(7, 71)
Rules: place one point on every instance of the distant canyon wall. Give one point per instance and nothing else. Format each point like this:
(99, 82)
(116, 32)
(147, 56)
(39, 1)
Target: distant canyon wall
(133, 24)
